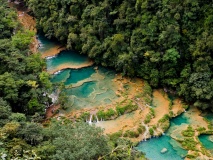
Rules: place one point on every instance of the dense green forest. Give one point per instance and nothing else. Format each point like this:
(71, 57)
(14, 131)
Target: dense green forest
(24, 86)
(167, 42)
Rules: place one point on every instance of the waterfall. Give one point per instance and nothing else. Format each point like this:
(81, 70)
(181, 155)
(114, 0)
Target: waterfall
(96, 118)
(53, 97)
(49, 57)
(146, 131)
(90, 119)
(161, 131)
(57, 72)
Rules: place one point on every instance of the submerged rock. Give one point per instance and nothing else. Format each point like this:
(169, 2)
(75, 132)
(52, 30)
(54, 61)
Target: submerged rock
(164, 150)
(211, 138)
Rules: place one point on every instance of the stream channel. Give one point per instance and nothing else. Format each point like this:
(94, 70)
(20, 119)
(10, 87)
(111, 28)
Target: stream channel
(92, 86)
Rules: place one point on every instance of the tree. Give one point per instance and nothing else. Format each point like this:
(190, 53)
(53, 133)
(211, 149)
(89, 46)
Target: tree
(76, 141)
(156, 40)
(5, 112)
(22, 40)
(31, 133)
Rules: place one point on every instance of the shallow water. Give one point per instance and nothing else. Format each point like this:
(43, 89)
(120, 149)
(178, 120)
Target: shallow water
(61, 77)
(208, 116)
(92, 86)
(152, 147)
(77, 75)
(67, 58)
(179, 120)
(45, 44)
(207, 141)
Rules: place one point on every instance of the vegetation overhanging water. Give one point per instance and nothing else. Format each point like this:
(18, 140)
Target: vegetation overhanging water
(82, 92)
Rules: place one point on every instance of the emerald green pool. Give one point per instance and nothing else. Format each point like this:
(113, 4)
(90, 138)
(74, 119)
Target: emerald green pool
(66, 57)
(207, 141)
(91, 86)
(152, 147)
(44, 43)
(77, 75)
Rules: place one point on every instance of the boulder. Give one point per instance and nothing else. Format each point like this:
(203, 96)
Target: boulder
(164, 150)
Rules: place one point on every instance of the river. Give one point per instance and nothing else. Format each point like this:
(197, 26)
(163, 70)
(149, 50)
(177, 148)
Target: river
(94, 86)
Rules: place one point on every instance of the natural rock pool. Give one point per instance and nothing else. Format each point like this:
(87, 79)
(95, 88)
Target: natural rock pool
(94, 86)
(91, 85)
(154, 146)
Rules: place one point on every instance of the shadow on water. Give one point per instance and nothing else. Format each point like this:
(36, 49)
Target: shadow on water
(179, 120)
(207, 140)
(45, 44)
(66, 58)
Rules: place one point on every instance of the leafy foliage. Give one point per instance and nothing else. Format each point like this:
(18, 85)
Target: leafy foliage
(81, 141)
(167, 43)
(189, 132)
(22, 82)
(24, 88)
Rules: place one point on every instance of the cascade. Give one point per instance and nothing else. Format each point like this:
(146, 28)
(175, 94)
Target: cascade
(90, 119)
(158, 129)
(93, 87)
(57, 72)
(96, 118)
(146, 131)
(49, 57)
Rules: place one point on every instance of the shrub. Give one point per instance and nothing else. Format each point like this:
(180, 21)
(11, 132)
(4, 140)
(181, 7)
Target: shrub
(125, 109)
(189, 144)
(152, 112)
(85, 116)
(171, 114)
(189, 132)
(120, 110)
(100, 114)
(149, 116)
(201, 129)
(165, 125)
(185, 106)
(170, 104)
(190, 156)
(147, 119)
(147, 93)
(107, 114)
(131, 134)
(164, 118)
(110, 113)
(141, 129)
(151, 131)
(115, 135)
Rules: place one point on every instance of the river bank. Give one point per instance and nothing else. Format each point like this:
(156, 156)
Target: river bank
(70, 66)
(142, 123)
